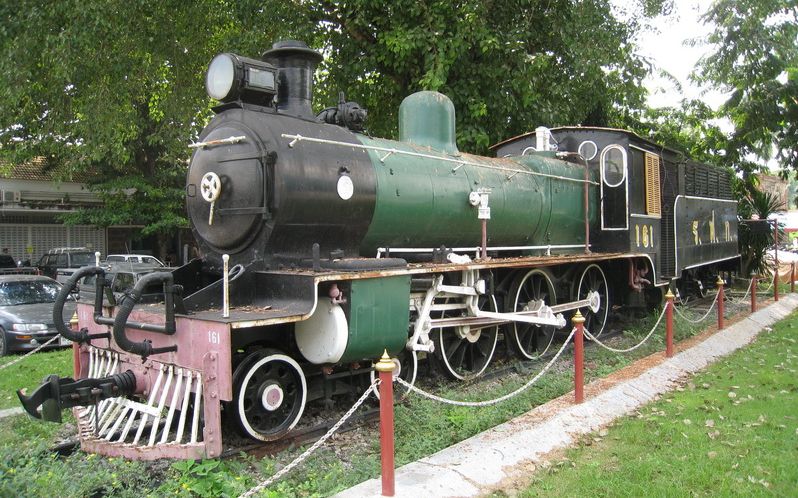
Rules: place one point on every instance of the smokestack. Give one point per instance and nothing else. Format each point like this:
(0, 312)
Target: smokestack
(296, 63)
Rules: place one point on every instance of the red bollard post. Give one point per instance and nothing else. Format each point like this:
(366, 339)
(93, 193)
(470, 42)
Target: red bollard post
(753, 292)
(669, 324)
(73, 325)
(792, 277)
(385, 368)
(776, 262)
(579, 357)
(721, 304)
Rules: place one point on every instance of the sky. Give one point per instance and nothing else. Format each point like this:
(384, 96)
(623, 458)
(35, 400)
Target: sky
(665, 46)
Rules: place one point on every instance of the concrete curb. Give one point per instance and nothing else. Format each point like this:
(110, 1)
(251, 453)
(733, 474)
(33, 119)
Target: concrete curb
(10, 412)
(473, 466)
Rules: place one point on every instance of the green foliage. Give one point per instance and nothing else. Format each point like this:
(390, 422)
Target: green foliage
(508, 65)
(690, 128)
(755, 59)
(755, 243)
(206, 478)
(113, 91)
(34, 471)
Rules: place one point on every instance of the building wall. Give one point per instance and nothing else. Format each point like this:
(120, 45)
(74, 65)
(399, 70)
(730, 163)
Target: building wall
(777, 186)
(29, 218)
(29, 241)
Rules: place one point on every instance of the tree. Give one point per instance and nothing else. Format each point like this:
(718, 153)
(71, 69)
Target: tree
(689, 128)
(508, 65)
(755, 59)
(114, 89)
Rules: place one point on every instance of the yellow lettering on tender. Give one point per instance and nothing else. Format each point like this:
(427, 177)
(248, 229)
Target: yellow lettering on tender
(712, 238)
(696, 236)
(637, 234)
(645, 235)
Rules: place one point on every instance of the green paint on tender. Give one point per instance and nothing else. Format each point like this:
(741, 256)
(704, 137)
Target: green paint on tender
(422, 202)
(378, 317)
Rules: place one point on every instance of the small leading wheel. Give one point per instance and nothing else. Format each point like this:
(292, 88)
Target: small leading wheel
(465, 351)
(528, 340)
(593, 279)
(269, 394)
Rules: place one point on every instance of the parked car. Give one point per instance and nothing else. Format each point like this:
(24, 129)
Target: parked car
(120, 278)
(7, 261)
(134, 258)
(26, 312)
(61, 263)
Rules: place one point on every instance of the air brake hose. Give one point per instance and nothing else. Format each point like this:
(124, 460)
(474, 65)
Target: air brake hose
(144, 348)
(63, 294)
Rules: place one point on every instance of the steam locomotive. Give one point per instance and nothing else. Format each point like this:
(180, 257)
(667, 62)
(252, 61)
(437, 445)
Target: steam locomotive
(322, 247)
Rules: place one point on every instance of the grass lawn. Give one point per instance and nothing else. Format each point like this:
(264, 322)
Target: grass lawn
(27, 468)
(30, 372)
(731, 430)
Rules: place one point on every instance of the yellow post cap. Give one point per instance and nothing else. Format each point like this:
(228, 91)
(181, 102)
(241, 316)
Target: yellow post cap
(385, 364)
(578, 318)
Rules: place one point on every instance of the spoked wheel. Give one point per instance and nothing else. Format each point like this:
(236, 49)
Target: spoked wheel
(528, 340)
(465, 351)
(269, 394)
(405, 368)
(593, 279)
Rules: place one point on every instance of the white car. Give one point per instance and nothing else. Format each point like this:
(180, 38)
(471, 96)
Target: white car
(134, 258)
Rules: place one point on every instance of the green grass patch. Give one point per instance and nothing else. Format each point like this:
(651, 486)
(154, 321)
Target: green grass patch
(422, 428)
(29, 373)
(732, 430)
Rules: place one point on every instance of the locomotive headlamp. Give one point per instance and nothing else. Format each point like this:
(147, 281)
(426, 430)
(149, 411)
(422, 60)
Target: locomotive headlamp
(231, 77)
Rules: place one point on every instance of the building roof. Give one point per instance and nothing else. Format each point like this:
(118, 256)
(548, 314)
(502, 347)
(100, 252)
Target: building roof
(37, 169)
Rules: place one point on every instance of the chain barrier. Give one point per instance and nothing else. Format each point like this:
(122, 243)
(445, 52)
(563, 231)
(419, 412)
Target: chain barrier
(742, 299)
(57, 336)
(771, 283)
(714, 301)
(614, 350)
(301, 458)
(492, 401)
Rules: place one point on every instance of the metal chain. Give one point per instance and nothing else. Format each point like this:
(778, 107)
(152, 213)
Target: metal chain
(705, 314)
(772, 280)
(268, 482)
(492, 401)
(745, 296)
(57, 336)
(610, 348)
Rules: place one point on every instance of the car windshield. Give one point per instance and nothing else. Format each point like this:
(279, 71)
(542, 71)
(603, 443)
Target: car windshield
(115, 258)
(82, 259)
(27, 292)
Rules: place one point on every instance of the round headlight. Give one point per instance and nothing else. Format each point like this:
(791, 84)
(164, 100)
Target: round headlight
(221, 77)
